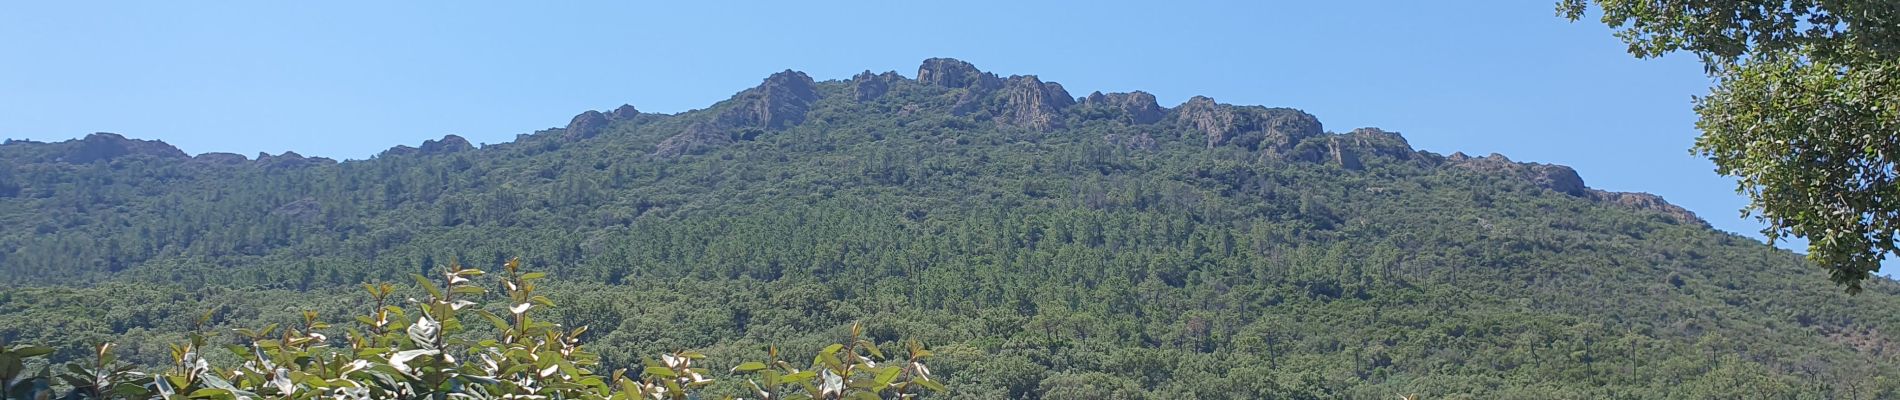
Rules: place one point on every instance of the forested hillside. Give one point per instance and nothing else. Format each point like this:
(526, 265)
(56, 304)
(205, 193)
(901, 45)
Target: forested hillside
(1043, 244)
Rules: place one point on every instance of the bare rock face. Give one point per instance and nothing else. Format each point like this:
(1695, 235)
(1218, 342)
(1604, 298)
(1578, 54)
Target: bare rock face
(1383, 143)
(1030, 103)
(585, 125)
(1253, 127)
(955, 74)
(1349, 150)
(867, 86)
(1649, 202)
(1330, 149)
(1136, 107)
(1215, 121)
(1561, 179)
(780, 102)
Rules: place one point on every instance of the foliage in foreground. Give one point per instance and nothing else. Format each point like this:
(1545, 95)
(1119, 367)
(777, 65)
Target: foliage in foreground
(392, 354)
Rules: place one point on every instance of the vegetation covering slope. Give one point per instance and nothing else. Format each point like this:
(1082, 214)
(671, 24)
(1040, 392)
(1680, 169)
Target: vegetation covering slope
(1043, 245)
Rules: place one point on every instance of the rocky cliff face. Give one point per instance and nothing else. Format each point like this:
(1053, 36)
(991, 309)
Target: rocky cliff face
(1268, 129)
(956, 74)
(782, 101)
(1558, 178)
(1649, 202)
(1029, 103)
(1348, 150)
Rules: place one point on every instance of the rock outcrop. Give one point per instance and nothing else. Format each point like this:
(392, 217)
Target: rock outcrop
(1254, 127)
(448, 144)
(623, 113)
(1350, 149)
(973, 87)
(780, 102)
(1649, 202)
(956, 74)
(591, 123)
(586, 125)
(1136, 107)
(867, 86)
(1030, 103)
(290, 159)
(1561, 179)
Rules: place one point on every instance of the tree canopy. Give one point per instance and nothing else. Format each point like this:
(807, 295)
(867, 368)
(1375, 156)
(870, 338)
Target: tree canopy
(1804, 112)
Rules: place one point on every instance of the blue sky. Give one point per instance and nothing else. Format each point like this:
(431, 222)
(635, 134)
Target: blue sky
(348, 79)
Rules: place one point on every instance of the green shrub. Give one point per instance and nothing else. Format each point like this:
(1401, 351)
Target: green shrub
(422, 349)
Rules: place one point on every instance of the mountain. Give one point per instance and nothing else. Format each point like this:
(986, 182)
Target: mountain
(1045, 245)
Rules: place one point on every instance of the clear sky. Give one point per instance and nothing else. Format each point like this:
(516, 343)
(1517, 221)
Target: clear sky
(347, 79)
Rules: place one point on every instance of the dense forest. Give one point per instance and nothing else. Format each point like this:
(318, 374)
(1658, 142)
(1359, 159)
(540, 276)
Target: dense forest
(1042, 245)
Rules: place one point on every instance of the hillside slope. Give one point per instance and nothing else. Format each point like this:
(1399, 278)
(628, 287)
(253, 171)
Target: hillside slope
(1047, 245)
